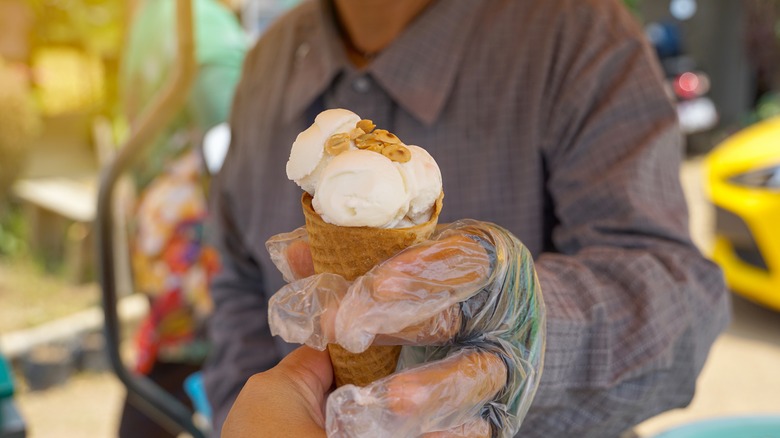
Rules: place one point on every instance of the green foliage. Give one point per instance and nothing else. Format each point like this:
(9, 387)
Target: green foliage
(19, 125)
(94, 25)
(13, 232)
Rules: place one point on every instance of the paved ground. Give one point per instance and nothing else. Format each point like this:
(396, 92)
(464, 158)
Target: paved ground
(741, 375)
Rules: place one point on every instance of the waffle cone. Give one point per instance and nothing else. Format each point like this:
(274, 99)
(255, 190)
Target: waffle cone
(351, 252)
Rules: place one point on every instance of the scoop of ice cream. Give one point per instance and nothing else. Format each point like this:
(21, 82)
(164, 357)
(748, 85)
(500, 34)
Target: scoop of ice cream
(361, 188)
(422, 177)
(359, 176)
(307, 157)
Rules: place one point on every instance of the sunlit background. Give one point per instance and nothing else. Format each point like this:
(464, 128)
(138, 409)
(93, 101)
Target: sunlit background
(66, 108)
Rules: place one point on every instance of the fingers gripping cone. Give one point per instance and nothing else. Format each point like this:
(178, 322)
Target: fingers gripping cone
(351, 252)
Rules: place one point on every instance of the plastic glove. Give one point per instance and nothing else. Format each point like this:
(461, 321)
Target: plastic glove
(467, 303)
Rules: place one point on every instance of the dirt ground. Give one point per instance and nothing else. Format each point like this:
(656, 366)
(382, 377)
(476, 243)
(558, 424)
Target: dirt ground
(87, 406)
(26, 293)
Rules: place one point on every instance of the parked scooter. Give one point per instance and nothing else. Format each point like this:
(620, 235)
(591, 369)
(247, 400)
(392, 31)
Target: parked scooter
(686, 84)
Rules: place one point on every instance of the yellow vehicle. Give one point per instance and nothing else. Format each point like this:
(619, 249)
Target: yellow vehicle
(744, 185)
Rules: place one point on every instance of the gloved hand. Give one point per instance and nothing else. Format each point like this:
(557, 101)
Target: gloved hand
(467, 304)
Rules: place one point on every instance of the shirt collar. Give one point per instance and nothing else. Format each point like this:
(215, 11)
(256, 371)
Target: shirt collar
(318, 57)
(417, 70)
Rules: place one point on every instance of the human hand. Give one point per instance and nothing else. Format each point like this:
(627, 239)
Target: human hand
(287, 400)
(466, 302)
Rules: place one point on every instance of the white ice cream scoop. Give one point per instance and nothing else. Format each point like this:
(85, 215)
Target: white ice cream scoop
(361, 188)
(422, 177)
(307, 156)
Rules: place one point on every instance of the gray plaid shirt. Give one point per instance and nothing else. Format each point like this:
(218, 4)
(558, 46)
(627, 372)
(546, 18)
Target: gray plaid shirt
(547, 117)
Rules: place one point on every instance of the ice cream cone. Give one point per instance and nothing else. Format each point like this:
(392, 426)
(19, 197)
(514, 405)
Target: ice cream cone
(351, 252)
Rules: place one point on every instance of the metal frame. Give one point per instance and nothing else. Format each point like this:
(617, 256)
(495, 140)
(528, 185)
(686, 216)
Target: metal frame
(147, 395)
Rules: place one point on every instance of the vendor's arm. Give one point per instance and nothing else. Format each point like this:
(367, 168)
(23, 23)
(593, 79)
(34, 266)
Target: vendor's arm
(633, 307)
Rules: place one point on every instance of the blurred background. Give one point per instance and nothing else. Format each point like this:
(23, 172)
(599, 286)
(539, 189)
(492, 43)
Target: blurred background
(75, 75)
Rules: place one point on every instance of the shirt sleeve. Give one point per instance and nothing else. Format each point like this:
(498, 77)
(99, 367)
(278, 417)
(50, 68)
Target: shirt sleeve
(633, 307)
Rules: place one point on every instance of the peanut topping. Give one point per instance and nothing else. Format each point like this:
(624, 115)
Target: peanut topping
(366, 125)
(337, 143)
(386, 136)
(365, 140)
(355, 133)
(397, 153)
(379, 140)
(376, 147)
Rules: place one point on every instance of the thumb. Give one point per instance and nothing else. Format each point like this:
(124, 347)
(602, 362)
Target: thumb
(311, 366)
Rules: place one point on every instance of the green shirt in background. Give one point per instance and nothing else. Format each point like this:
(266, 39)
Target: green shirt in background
(150, 57)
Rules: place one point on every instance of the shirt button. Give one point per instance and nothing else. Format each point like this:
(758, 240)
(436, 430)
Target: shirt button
(361, 84)
(302, 51)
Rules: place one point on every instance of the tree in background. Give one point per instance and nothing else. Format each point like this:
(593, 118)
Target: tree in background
(18, 117)
(762, 43)
(761, 38)
(76, 48)
(19, 125)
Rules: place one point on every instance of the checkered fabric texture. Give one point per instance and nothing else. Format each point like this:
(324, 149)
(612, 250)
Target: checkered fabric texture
(547, 117)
